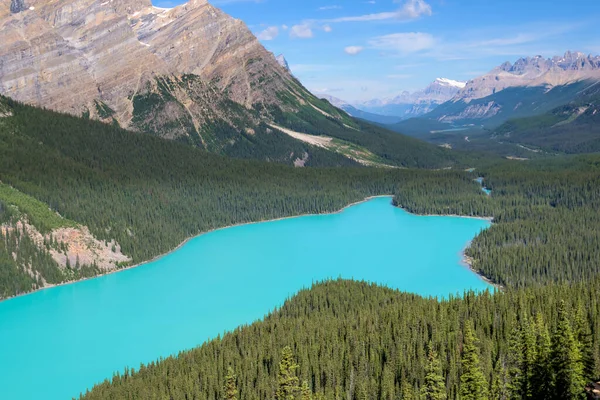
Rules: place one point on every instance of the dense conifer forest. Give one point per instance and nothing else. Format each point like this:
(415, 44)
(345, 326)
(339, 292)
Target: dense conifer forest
(354, 340)
(350, 340)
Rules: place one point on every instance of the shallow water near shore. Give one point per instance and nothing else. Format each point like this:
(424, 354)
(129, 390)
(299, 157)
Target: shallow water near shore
(56, 343)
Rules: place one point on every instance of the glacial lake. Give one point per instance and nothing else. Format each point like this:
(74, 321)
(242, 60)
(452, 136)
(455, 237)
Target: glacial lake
(55, 343)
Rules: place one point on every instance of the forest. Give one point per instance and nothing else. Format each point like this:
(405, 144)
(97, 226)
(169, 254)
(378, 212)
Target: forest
(349, 339)
(354, 340)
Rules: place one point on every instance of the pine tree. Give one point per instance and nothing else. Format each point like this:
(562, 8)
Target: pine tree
(288, 382)
(567, 362)
(435, 385)
(408, 392)
(529, 348)
(473, 385)
(305, 393)
(584, 336)
(542, 377)
(500, 388)
(231, 392)
(514, 364)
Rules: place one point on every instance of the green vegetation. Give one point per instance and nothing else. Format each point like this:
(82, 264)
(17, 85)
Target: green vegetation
(190, 111)
(150, 194)
(38, 213)
(545, 213)
(103, 110)
(572, 129)
(347, 339)
(360, 341)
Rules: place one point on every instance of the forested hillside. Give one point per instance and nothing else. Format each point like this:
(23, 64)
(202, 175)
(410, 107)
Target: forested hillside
(571, 128)
(358, 341)
(149, 194)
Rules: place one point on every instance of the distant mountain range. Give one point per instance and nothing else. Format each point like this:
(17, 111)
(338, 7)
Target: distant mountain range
(405, 105)
(530, 86)
(550, 104)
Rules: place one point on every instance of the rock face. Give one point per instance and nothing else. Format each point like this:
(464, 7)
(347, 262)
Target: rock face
(533, 71)
(116, 59)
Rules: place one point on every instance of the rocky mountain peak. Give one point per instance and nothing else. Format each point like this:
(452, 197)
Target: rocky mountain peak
(534, 71)
(283, 62)
(71, 55)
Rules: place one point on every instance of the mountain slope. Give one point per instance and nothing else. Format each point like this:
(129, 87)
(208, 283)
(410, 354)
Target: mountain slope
(79, 197)
(531, 86)
(191, 73)
(571, 128)
(355, 112)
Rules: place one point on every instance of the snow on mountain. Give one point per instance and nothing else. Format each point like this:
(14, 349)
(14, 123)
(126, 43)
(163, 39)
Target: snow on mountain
(408, 105)
(283, 62)
(451, 82)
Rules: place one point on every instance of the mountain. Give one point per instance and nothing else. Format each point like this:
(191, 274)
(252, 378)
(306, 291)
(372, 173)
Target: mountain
(283, 62)
(355, 112)
(533, 72)
(570, 128)
(408, 105)
(530, 87)
(190, 73)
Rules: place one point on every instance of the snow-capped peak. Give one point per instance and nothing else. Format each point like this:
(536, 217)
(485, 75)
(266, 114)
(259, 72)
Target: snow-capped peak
(451, 82)
(283, 62)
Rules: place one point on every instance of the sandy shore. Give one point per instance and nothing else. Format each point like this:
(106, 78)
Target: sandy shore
(466, 260)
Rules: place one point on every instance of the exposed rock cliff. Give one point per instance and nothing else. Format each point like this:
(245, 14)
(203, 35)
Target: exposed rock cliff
(112, 58)
(533, 71)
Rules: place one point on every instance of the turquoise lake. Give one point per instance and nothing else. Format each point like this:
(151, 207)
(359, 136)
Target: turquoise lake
(57, 342)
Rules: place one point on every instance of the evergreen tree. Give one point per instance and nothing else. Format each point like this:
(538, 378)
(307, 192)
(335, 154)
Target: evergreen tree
(567, 362)
(434, 387)
(288, 382)
(542, 375)
(584, 336)
(408, 392)
(514, 363)
(305, 393)
(500, 387)
(231, 392)
(473, 385)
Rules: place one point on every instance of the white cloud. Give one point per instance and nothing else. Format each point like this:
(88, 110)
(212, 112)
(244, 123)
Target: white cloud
(327, 28)
(325, 8)
(353, 50)
(409, 42)
(399, 76)
(302, 31)
(411, 9)
(269, 34)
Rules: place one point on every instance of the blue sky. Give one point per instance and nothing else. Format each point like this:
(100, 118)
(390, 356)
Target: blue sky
(363, 49)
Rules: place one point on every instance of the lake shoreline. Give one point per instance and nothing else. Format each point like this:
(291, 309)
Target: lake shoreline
(465, 259)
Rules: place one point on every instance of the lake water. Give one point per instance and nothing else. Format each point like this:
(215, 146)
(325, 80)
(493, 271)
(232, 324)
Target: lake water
(57, 342)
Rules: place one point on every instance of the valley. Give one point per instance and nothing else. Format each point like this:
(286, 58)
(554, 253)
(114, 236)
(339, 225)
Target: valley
(240, 260)
(185, 215)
